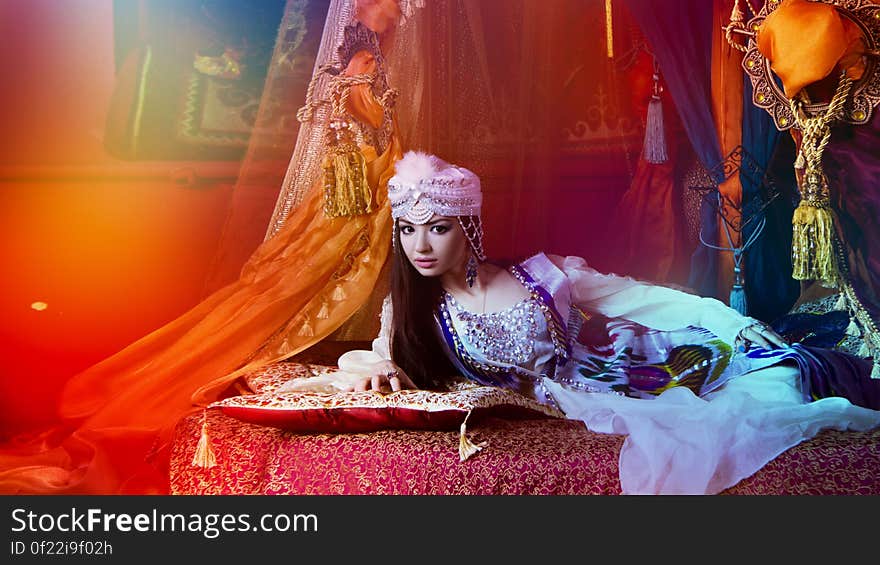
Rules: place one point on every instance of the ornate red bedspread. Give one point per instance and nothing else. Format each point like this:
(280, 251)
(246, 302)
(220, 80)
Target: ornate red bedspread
(544, 456)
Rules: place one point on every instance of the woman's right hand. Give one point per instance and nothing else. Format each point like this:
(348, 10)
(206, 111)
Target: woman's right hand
(383, 376)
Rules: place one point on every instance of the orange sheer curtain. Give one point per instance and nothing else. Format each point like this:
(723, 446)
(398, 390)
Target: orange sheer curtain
(297, 288)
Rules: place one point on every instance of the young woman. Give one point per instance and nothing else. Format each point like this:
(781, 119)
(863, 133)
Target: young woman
(727, 393)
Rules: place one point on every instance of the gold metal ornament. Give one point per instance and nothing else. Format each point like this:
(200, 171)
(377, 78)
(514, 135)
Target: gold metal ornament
(768, 94)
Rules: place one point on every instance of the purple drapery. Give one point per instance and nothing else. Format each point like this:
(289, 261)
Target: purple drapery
(680, 34)
(825, 373)
(852, 164)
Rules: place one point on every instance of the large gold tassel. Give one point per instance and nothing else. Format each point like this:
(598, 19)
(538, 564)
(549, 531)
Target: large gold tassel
(346, 189)
(204, 455)
(812, 243)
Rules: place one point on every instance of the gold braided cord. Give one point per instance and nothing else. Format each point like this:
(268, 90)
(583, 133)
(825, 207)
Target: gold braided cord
(817, 130)
(340, 89)
(728, 34)
(736, 25)
(305, 113)
(339, 93)
(812, 246)
(389, 97)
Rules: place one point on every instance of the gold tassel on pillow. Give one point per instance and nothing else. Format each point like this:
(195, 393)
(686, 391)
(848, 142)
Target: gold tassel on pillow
(204, 455)
(812, 244)
(466, 447)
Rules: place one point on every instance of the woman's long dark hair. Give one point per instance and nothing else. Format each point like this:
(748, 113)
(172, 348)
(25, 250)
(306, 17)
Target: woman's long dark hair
(415, 342)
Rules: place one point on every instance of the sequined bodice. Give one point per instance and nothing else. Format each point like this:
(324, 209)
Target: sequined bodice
(505, 336)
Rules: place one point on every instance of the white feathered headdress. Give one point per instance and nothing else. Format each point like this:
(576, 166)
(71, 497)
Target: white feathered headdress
(424, 185)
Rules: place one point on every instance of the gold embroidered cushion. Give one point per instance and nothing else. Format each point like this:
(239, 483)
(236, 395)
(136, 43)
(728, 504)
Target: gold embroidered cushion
(340, 412)
(349, 412)
(270, 377)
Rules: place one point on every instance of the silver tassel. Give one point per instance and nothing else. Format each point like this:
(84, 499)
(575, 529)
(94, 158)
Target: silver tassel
(655, 134)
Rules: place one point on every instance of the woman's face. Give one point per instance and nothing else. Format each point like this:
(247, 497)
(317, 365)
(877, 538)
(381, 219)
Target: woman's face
(436, 247)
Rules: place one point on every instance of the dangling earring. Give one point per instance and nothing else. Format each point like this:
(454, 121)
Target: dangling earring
(470, 273)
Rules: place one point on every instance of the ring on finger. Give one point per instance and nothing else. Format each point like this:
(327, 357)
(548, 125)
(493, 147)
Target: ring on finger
(392, 374)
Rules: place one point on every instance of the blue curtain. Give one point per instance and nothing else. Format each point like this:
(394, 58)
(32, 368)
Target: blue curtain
(770, 289)
(680, 34)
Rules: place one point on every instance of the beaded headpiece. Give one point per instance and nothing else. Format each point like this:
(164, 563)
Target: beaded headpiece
(424, 185)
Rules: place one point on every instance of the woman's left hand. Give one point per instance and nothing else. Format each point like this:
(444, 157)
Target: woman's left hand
(759, 334)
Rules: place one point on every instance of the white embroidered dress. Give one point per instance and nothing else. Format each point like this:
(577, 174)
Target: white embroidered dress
(595, 345)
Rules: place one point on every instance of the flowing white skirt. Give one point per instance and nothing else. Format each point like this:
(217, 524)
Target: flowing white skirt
(680, 443)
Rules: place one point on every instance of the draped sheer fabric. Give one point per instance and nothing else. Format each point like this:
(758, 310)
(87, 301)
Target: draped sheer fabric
(684, 444)
(119, 414)
(523, 94)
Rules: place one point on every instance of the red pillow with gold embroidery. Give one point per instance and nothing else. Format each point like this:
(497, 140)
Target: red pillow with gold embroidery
(315, 412)
(349, 412)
